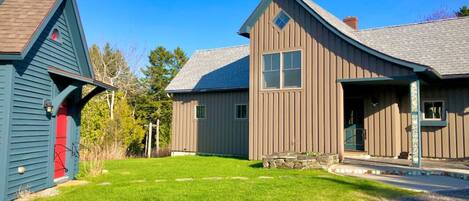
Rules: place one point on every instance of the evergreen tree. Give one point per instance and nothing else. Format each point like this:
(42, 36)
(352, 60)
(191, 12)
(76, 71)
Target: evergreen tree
(463, 12)
(155, 104)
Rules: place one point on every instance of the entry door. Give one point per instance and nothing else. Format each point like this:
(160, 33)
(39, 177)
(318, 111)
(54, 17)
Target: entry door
(354, 130)
(61, 130)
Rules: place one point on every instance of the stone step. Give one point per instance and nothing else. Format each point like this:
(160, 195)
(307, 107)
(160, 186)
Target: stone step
(362, 171)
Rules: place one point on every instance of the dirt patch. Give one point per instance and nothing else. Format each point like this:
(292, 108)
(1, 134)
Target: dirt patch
(26, 196)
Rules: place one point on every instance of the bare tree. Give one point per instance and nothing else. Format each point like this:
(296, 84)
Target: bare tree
(439, 14)
(111, 67)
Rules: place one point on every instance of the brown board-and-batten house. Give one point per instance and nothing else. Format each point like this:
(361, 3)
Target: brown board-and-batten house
(318, 84)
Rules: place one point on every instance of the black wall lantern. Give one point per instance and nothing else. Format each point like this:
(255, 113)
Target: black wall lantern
(374, 102)
(48, 106)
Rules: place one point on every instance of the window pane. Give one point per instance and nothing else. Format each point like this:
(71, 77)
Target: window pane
(281, 19)
(241, 111)
(267, 62)
(428, 110)
(296, 59)
(200, 112)
(292, 78)
(438, 107)
(275, 61)
(272, 80)
(287, 60)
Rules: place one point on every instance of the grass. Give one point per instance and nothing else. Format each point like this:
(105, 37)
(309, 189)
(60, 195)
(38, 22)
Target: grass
(136, 179)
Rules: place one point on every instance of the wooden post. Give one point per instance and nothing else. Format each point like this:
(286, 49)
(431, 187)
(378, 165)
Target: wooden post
(145, 151)
(416, 130)
(157, 138)
(150, 127)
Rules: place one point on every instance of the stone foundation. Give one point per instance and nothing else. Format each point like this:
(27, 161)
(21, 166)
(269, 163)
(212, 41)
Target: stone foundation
(291, 160)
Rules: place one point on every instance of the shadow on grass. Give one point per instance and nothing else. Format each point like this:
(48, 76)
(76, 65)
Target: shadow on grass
(221, 156)
(372, 190)
(257, 165)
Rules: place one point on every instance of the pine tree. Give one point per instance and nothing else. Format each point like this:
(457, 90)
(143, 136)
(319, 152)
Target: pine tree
(155, 104)
(463, 12)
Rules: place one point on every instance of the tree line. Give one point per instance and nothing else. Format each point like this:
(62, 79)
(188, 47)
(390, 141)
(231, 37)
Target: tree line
(113, 123)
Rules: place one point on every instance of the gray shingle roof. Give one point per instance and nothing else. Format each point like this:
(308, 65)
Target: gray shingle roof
(19, 20)
(442, 45)
(214, 69)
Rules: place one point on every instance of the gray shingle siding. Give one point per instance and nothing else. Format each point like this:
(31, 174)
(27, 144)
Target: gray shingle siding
(214, 69)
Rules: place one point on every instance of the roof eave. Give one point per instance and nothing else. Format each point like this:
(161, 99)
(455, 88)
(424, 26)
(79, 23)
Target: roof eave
(247, 25)
(182, 91)
(11, 56)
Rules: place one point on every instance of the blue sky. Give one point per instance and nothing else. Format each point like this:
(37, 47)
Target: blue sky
(199, 24)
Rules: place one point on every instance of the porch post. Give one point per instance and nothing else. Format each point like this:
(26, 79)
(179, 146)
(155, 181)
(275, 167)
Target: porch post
(341, 126)
(416, 129)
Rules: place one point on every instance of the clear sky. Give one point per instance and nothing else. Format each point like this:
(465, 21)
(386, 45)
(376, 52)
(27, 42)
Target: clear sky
(200, 24)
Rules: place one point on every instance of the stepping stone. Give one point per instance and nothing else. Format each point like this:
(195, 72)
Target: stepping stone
(137, 181)
(105, 184)
(212, 178)
(239, 178)
(265, 177)
(160, 180)
(184, 179)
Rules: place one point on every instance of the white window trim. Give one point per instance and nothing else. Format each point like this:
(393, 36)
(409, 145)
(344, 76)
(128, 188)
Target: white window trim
(59, 36)
(195, 112)
(236, 110)
(275, 19)
(281, 71)
(443, 110)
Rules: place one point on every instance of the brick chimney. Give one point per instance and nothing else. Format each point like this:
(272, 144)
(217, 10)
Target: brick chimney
(351, 21)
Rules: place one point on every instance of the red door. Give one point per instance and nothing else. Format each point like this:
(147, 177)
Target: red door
(61, 142)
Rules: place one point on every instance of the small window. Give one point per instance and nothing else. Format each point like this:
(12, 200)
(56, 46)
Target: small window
(292, 69)
(200, 112)
(281, 20)
(241, 111)
(271, 71)
(433, 110)
(55, 35)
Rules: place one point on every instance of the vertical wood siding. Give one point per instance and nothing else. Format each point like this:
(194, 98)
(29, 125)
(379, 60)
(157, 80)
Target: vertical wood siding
(308, 119)
(31, 128)
(451, 141)
(219, 133)
(382, 123)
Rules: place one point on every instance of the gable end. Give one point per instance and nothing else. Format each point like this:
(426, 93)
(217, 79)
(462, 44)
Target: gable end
(348, 37)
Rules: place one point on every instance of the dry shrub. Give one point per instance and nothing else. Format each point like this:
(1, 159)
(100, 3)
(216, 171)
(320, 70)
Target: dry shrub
(24, 194)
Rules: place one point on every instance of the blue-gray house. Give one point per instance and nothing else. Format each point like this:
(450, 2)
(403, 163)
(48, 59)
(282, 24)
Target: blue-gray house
(43, 66)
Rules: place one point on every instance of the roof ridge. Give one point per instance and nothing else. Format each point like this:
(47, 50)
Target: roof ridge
(220, 48)
(413, 24)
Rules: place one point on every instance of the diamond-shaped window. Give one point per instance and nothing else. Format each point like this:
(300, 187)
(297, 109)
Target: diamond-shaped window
(282, 19)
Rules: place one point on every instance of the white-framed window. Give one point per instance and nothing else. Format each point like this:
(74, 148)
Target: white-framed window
(55, 35)
(241, 111)
(281, 20)
(433, 110)
(271, 71)
(282, 70)
(200, 112)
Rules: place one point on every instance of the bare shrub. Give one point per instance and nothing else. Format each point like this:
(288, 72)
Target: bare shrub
(24, 194)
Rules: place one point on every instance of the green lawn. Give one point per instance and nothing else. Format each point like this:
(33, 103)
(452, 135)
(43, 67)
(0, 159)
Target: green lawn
(155, 179)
